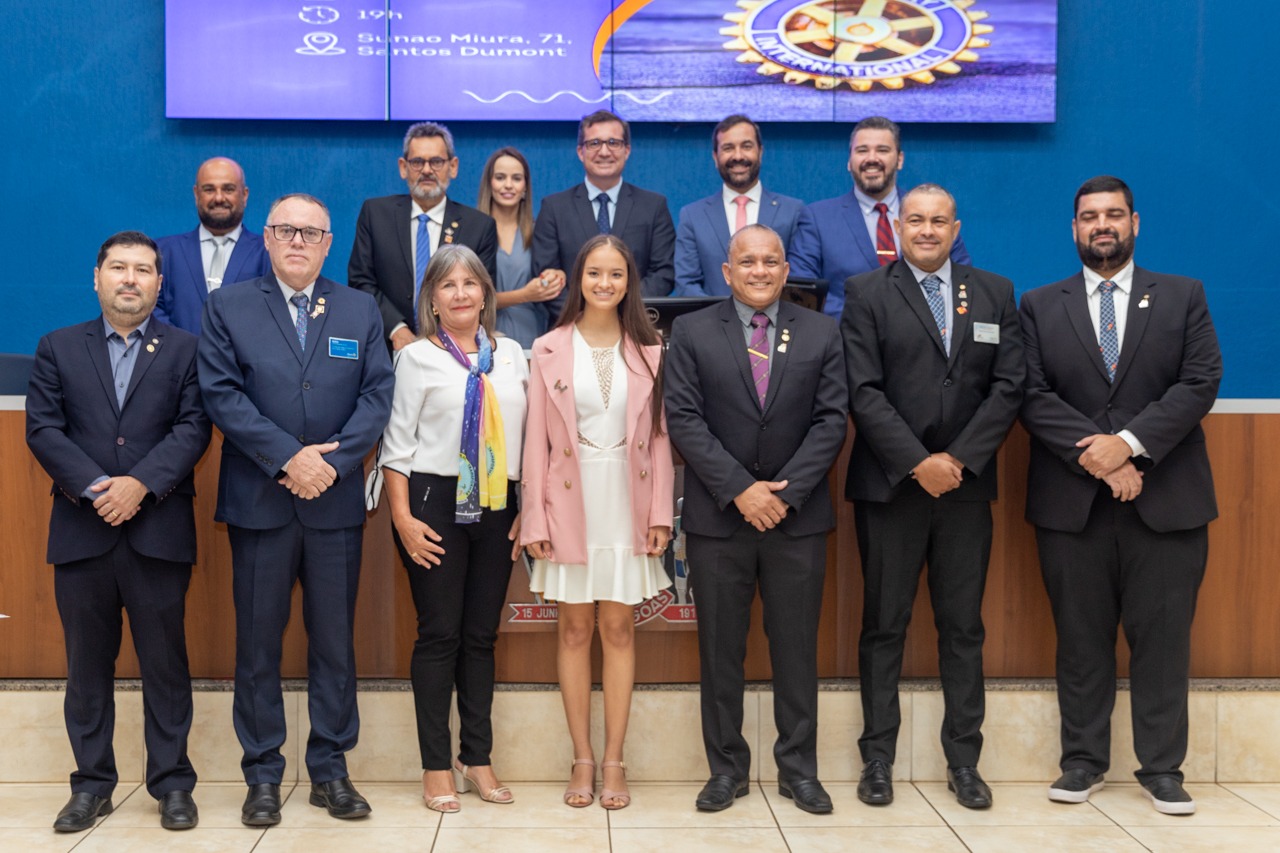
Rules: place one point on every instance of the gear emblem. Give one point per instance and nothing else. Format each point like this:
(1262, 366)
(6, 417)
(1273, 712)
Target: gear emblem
(858, 43)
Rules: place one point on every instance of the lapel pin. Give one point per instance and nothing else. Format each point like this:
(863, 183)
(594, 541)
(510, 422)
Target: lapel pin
(1146, 301)
(319, 309)
(560, 386)
(151, 347)
(782, 347)
(962, 310)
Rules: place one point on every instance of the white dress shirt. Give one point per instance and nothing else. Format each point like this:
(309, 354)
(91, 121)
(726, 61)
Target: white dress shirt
(206, 249)
(731, 207)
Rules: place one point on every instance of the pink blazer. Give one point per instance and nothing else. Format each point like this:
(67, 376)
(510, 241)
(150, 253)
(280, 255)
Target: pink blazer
(551, 507)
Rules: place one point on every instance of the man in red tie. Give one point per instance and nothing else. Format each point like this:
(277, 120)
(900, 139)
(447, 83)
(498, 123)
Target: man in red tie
(841, 237)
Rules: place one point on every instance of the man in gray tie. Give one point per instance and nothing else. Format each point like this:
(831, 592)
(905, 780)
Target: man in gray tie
(935, 370)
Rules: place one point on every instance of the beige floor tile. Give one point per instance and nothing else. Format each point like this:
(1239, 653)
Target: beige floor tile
(1248, 737)
(664, 737)
(213, 747)
(156, 840)
(839, 725)
(282, 839)
(1215, 806)
(1265, 797)
(530, 737)
(909, 808)
(219, 805)
(35, 737)
(1207, 839)
(1202, 737)
(1012, 805)
(34, 806)
(536, 806)
(1021, 741)
(388, 747)
(669, 806)
(540, 840)
(880, 839)
(31, 840)
(1019, 839)
(727, 840)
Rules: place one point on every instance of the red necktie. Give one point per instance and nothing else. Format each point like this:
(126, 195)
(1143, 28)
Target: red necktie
(885, 249)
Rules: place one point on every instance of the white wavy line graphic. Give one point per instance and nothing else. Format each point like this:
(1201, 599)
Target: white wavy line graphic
(580, 97)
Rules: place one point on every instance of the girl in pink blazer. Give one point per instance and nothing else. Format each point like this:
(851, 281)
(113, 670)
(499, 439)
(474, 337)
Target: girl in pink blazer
(597, 494)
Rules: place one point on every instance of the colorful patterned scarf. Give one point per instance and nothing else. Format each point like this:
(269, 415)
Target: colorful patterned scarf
(482, 436)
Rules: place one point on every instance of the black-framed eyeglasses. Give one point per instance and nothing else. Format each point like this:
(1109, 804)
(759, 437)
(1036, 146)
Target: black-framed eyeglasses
(285, 233)
(614, 144)
(417, 164)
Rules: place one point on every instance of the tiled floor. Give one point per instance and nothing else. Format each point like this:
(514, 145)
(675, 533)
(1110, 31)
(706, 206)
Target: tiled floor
(1238, 817)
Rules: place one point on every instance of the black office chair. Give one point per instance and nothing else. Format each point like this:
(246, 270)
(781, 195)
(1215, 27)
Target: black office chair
(15, 373)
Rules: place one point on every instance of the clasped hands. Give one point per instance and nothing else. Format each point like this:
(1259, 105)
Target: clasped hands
(758, 504)
(119, 499)
(1108, 458)
(307, 475)
(938, 474)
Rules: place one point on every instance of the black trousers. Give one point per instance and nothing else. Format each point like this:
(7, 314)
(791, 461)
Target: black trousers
(790, 572)
(1119, 571)
(90, 595)
(895, 541)
(459, 604)
(266, 565)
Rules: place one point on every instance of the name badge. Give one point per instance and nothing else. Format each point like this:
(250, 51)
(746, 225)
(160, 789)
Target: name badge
(986, 333)
(344, 348)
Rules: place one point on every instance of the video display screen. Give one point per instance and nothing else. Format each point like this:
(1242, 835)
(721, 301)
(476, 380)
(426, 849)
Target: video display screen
(647, 60)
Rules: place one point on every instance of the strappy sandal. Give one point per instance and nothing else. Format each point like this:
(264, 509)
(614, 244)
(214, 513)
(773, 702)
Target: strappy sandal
(621, 799)
(589, 793)
(499, 794)
(442, 803)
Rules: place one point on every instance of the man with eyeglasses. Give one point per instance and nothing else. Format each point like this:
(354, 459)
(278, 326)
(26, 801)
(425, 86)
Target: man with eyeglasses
(220, 250)
(294, 371)
(396, 234)
(605, 204)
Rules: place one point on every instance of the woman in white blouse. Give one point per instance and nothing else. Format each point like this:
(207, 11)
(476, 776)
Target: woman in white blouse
(449, 455)
(597, 494)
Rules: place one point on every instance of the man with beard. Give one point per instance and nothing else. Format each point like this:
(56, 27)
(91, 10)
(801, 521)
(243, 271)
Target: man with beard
(219, 251)
(702, 238)
(1122, 365)
(851, 234)
(396, 234)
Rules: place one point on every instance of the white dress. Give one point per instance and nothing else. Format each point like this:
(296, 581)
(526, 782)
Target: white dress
(614, 572)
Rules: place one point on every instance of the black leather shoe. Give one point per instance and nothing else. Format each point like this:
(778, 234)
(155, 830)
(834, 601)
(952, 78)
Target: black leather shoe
(808, 794)
(81, 811)
(875, 788)
(971, 792)
(720, 792)
(1075, 786)
(340, 798)
(178, 810)
(1168, 796)
(261, 806)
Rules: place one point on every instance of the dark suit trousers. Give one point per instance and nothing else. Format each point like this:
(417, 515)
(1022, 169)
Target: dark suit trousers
(265, 566)
(1119, 571)
(90, 594)
(459, 604)
(790, 572)
(895, 540)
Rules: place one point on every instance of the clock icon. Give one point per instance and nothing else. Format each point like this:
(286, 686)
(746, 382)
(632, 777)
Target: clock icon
(318, 14)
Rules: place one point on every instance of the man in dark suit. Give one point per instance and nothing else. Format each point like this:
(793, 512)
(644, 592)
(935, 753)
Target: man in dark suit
(1122, 365)
(114, 417)
(396, 234)
(219, 251)
(851, 234)
(702, 237)
(755, 400)
(295, 373)
(935, 379)
(605, 204)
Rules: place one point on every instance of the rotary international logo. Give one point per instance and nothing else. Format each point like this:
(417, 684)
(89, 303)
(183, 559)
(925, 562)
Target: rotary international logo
(858, 43)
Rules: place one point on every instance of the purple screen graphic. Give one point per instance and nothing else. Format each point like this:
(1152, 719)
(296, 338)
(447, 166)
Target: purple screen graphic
(648, 60)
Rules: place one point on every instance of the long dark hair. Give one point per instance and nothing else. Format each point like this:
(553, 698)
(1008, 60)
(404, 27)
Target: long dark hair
(524, 211)
(635, 322)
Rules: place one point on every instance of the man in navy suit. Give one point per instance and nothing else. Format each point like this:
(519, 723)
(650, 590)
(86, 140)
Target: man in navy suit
(702, 237)
(294, 371)
(219, 251)
(1122, 365)
(114, 417)
(851, 234)
(390, 254)
(605, 204)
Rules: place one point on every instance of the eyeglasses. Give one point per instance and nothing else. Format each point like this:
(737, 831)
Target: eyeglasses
(417, 163)
(285, 233)
(613, 143)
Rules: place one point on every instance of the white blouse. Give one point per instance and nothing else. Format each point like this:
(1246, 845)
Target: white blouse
(425, 431)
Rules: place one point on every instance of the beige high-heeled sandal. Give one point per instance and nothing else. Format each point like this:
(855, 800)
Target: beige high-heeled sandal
(499, 794)
(589, 792)
(621, 799)
(441, 803)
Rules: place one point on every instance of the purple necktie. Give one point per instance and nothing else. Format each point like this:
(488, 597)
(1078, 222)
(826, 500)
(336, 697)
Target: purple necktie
(758, 350)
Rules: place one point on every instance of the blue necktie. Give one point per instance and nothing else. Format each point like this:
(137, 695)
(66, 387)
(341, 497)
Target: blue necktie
(933, 293)
(1108, 339)
(423, 254)
(602, 219)
(300, 300)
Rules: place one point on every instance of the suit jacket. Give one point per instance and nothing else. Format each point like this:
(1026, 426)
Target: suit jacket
(382, 262)
(831, 242)
(728, 442)
(184, 290)
(702, 240)
(1166, 382)
(78, 433)
(909, 398)
(567, 219)
(548, 511)
(270, 398)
